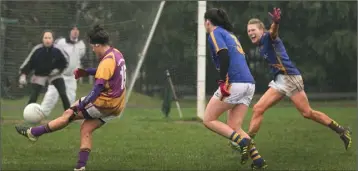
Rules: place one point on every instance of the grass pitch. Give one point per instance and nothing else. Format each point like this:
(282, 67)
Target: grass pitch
(144, 140)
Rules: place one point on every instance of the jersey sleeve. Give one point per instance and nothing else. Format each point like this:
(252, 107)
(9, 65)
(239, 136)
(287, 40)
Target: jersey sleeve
(105, 69)
(216, 41)
(266, 36)
(27, 65)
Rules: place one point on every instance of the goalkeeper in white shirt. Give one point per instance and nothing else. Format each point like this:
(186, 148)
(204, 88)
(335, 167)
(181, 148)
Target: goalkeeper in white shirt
(76, 50)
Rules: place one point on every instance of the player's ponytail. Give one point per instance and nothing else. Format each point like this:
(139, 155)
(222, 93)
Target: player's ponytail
(219, 17)
(226, 24)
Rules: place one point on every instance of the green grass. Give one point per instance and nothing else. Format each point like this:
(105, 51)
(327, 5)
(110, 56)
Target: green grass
(144, 140)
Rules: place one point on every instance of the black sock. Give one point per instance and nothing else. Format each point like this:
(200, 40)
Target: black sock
(336, 127)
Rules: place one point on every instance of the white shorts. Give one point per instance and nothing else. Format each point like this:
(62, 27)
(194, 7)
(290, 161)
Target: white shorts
(42, 80)
(287, 84)
(240, 93)
(94, 113)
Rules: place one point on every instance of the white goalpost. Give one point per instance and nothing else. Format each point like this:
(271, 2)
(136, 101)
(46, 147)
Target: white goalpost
(201, 58)
(201, 65)
(144, 52)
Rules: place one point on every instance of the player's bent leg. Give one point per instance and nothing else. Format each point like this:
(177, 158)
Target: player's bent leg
(94, 119)
(270, 98)
(87, 128)
(235, 119)
(32, 133)
(50, 99)
(213, 110)
(301, 102)
(64, 120)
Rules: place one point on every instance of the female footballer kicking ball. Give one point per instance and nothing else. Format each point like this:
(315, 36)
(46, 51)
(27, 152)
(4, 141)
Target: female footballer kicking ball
(104, 102)
(287, 79)
(236, 87)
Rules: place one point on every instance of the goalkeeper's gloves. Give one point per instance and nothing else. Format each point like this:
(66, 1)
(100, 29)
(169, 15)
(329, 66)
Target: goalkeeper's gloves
(275, 15)
(79, 72)
(22, 80)
(223, 88)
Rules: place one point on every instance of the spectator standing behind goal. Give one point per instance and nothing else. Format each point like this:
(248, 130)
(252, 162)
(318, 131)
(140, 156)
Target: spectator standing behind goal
(76, 50)
(48, 62)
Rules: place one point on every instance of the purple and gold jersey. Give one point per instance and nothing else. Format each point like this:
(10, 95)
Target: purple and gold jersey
(275, 54)
(238, 69)
(111, 72)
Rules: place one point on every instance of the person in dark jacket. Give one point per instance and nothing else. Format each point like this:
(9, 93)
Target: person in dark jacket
(76, 50)
(47, 61)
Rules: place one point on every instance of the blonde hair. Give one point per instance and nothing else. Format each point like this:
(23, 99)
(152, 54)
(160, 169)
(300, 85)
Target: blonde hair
(258, 22)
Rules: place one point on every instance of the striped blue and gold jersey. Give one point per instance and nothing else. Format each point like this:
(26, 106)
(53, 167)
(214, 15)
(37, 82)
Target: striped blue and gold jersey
(238, 69)
(275, 54)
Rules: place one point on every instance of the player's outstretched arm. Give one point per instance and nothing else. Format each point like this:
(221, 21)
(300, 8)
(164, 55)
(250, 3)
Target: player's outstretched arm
(91, 71)
(79, 72)
(92, 96)
(276, 17)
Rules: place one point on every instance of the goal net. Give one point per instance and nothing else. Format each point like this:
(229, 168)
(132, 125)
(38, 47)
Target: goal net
(128, 23)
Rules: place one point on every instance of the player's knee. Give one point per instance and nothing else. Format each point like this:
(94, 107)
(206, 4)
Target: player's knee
(66, 115)
(307, 113)
(258, 110)
(206, 122)
(86, 132)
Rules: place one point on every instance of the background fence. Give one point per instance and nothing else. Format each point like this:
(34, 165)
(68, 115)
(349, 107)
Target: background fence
(320, 37)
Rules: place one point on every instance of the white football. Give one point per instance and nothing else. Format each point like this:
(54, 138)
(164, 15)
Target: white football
(33, 113)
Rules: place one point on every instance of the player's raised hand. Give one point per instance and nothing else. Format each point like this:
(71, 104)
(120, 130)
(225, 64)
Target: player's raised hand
(79, 72)
(275, 15)
(223, 88)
